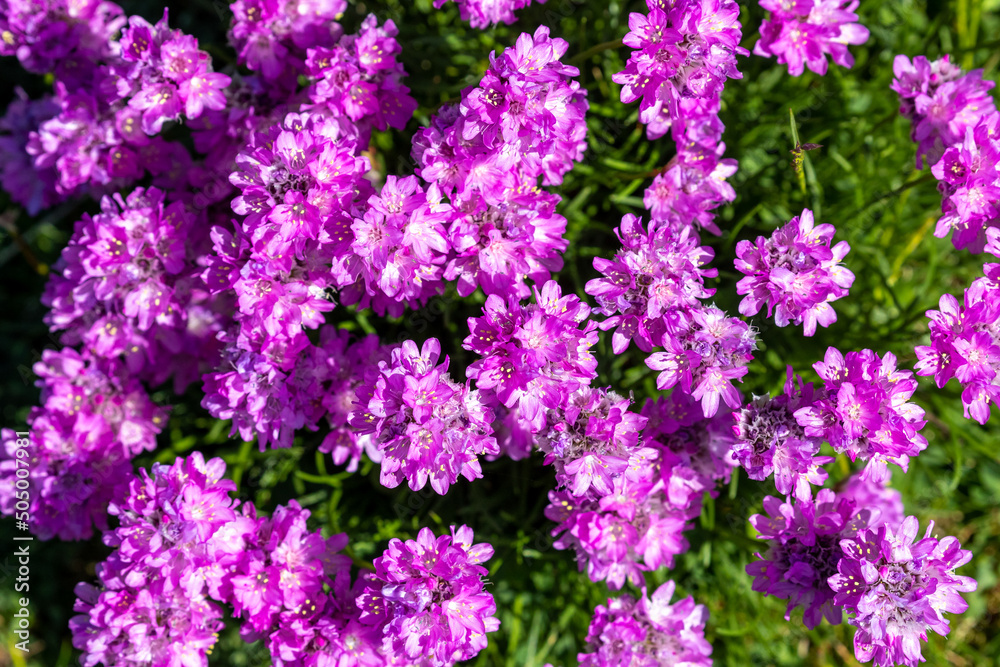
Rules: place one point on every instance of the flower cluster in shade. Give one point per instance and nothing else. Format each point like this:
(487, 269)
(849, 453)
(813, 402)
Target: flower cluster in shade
(652, 293)
(426, 598)
(273, 38)
(957, 129)
(964, 344)
(769, 441)
(184, 547)
(802, 33)
(486, 154)
(487, 13)
(683, 53)
(104, 133)
(648, 632)
(795, 273)
(627, 483)
(126, 286)
(93, 418)
(898, 589)
(865, 412)
(424, 426)
(533, 356)
(33, 189)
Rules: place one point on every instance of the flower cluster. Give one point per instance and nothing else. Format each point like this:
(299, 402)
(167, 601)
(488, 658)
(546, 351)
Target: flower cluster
(525, 120)
(272, 38)
(964, 344)
(770, 441)
(533, 356)
(487, 13)
(33, 189)
(683, 52)
(655, 273)
(704, 351)
(898, 589)
(795, 273)
(957, 128)
(359, 78)
(628, 484)
(425, 426)
(64, 37)
(95, 416)
(690, 187)
(804, 540)
(803, 32)
(648, 632)
(427, 598)
(865, 411)
(154, 603)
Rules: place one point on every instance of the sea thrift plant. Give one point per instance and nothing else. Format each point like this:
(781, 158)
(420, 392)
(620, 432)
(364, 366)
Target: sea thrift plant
(428, 599)
(897, 589)
(803, 32)
(649, 631)
(486, 13)
(795, 273)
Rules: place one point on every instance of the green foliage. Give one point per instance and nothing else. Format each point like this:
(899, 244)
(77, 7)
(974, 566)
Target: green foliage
(863, 180)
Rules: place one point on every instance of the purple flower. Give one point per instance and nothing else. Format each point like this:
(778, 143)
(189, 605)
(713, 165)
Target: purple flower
(425, 426)
(795, 273)
(648, 632)
(690, 187)
(487, 13)
(770, 441)
(427, 598)
(804, 540)
(800, 33)
(865, 412)
(32, 188)
(898, 589)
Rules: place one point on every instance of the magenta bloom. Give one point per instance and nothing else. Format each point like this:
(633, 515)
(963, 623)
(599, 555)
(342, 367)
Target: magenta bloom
(795, 273)
(963, 345)
(770, 441)
(427, 598)
(487, 13)
(898, 589)
(648, 632)
(864, 411)
(801, 33)
(804, 540)
(425, 426)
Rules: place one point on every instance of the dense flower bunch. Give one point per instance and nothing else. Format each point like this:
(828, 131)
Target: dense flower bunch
(656, 273)
(803, 32)
(360, 78)
(33, 189)
(533, 356)
(425, 426)
(126, 285)
(623, 500)
(964, 344)
(692, 185)
(427, 598)
(154, 603)
(898, 589)
(103, 134)
(65, 37)
(487, 13)
(525, 120)
(683, 52)
(795, 273)
(95, 416)
(648, 632)
(272, 38)
(804, 551)
(957, 128)
(865, 411)
(769, 440)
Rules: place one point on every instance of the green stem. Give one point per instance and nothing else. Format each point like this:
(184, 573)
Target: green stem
(581, 58)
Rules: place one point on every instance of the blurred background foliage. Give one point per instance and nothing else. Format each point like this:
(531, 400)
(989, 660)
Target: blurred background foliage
(863, 180)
